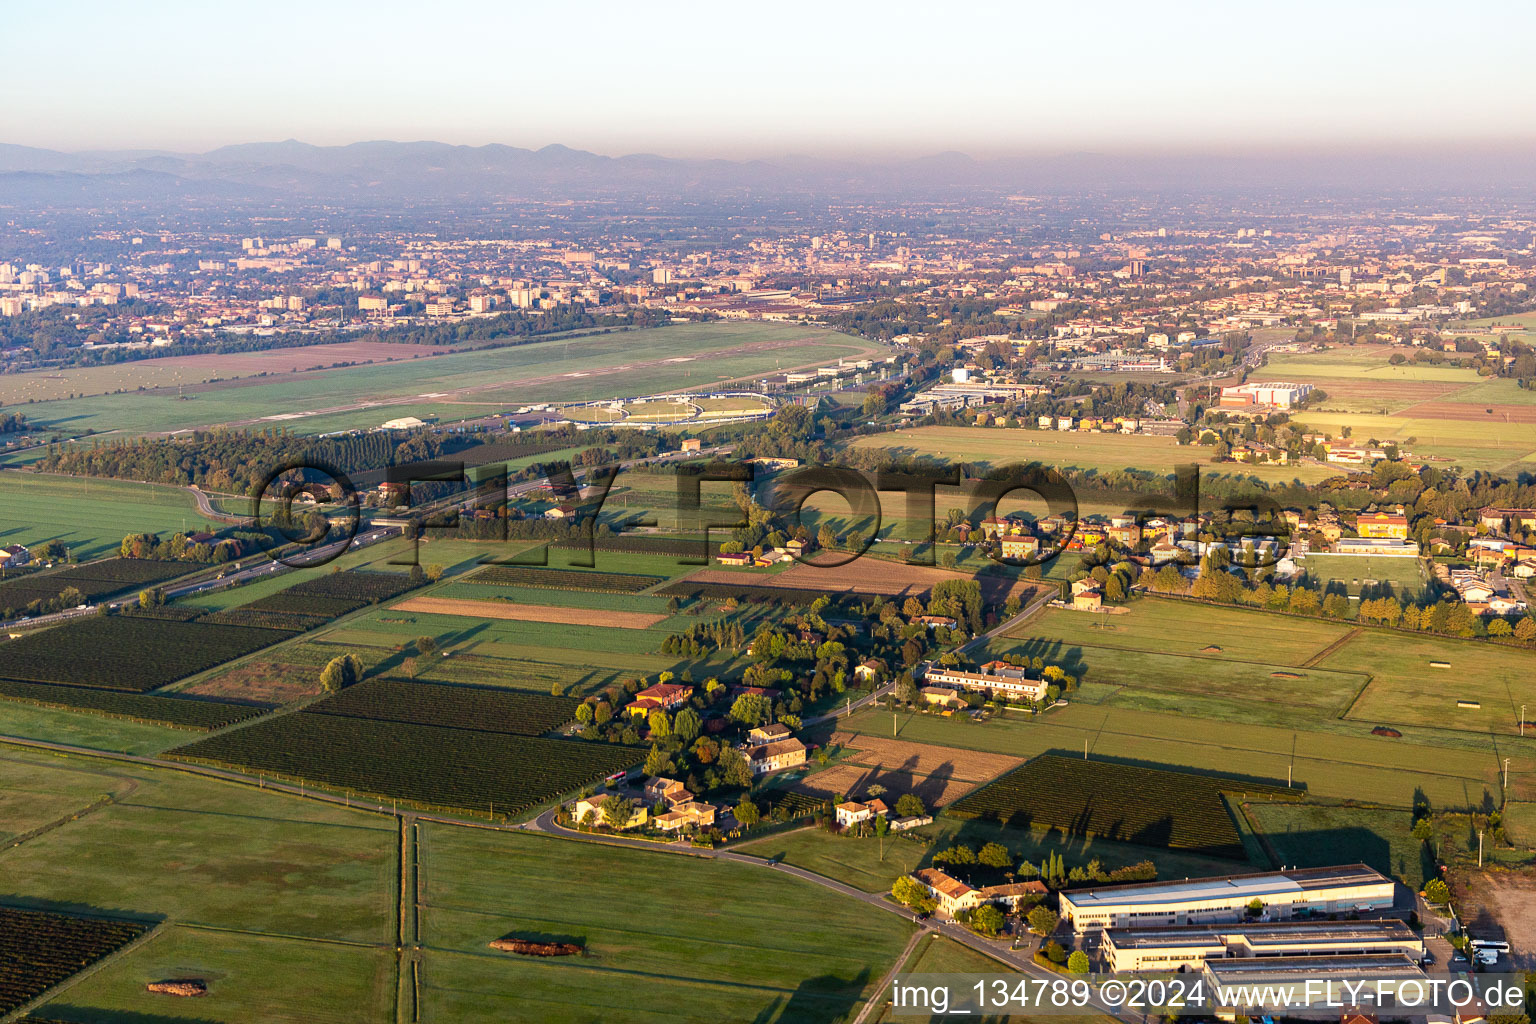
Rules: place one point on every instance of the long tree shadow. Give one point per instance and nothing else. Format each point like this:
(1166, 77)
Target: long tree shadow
(824, 999)
(65, 1013)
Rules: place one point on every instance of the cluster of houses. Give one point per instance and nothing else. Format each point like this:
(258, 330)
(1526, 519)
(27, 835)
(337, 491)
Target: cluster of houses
(852, 813)
(1483, 594)
(995, 679)
(675, 809)
(791, 550)
(953, 896)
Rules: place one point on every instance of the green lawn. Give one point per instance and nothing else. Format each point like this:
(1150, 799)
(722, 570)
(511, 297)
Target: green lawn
(197, 851)
(82, 729)
(558, 369)
(667, 938)
(251, 978)
(1472, 444)
(91, 517)
(845, 858)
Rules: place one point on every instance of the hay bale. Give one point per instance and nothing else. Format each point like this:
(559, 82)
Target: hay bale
(185, 987)
(525, 947)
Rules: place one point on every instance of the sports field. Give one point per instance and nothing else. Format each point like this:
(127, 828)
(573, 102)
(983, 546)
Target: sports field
(997, 447)
(693, 940)
(1405, 576)
(90, 517)
(470, 384)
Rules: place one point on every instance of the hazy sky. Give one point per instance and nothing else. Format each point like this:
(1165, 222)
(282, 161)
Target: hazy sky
(734, 79)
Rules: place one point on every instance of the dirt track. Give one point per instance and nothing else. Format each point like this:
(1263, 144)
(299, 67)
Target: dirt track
(527, 612)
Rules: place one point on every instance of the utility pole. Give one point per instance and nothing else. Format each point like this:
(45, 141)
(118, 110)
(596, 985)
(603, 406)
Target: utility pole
(1522, 719)
(1479, 848)
(1506, 775)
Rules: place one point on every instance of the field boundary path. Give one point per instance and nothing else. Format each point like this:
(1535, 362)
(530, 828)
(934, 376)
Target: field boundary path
(890, 975)
(1332, 648)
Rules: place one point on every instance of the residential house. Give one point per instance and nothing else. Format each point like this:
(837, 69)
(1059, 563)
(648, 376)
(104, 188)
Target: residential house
(1087, 596)
(689, 814)
(943, 696)
(666, 791)
(768, 733)
(869, 668)
(1164, 551)
(1013, 894)
(661, 697)
(13, 556)
(593, 805)
(734, 558)
(563, 511)
(772, 757)
(1127, 535)
(951, 894)
(995, 677)
(852, 812)
(1500, 520)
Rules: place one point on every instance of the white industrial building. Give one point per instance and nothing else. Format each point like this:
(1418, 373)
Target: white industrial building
(1283, 894)
(1176, 947)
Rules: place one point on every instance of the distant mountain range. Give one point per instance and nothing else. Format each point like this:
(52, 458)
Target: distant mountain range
(437, 170)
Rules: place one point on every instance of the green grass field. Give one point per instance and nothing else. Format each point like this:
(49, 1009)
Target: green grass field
(38, 793)
(1386, 403)
(91, 517)
(1234, 664)
(80, 729)
(1405, 575)
(1407, 689)
(1331, 765)
(576, 369)
(1492, 445)
(206, 853)
(250, 978)
(692, 940)
(994, 447)
(1318, 835)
